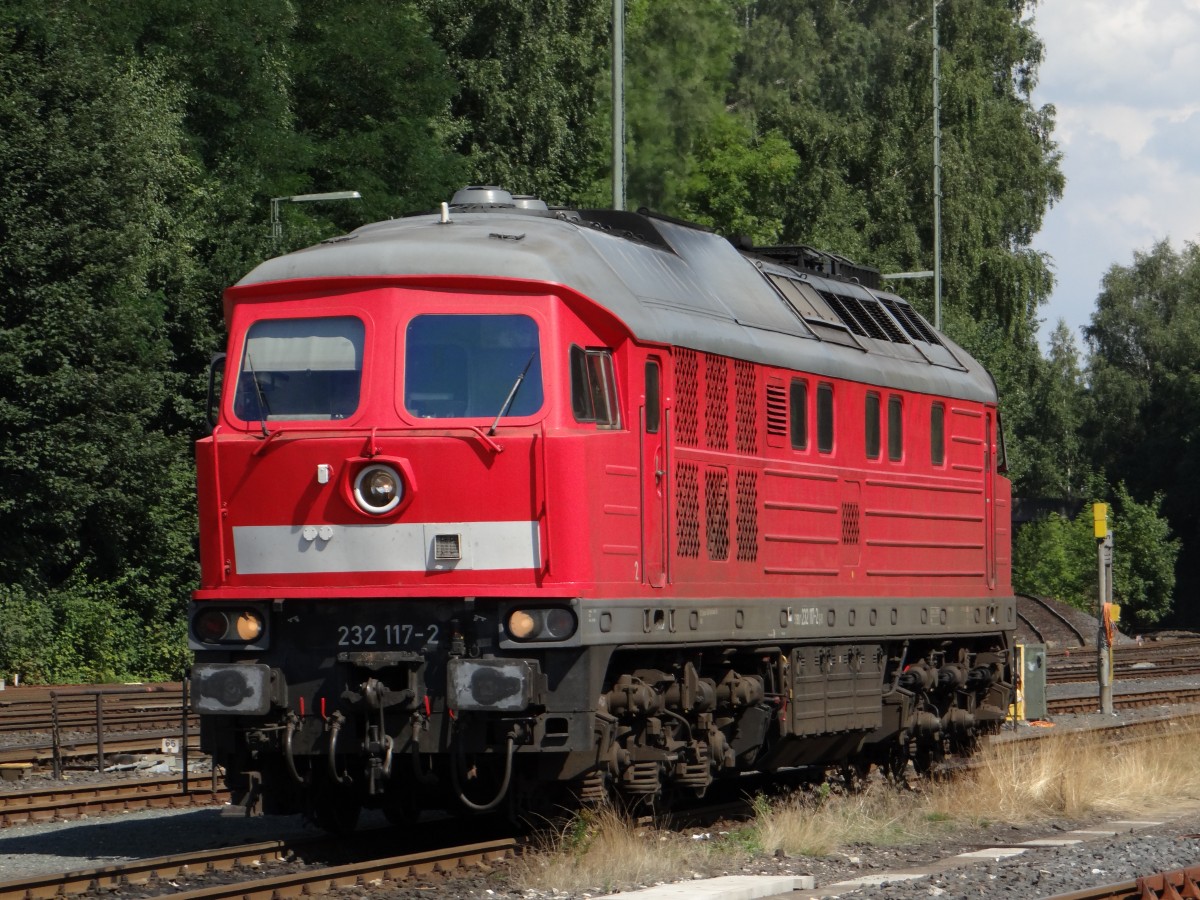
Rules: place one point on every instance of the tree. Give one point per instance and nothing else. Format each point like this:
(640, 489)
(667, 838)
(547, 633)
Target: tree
(372, 98)
(95, 211)
(678, 68)
(528, 74)
(1054, 463)
(1144, 379)
(848, 85)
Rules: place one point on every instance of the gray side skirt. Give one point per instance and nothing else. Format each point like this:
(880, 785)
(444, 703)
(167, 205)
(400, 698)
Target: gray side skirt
(735, 621)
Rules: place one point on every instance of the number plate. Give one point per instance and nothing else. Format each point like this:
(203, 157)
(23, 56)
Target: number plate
(392, 635)
(170, 746)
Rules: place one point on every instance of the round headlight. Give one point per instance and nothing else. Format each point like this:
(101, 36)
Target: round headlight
(378, 489)
(211, 626)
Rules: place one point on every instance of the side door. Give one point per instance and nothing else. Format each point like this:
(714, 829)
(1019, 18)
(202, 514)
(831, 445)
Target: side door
(653, 429)
(989, 500)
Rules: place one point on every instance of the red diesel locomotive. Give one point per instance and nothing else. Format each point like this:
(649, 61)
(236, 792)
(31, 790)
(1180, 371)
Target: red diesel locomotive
(513, 498)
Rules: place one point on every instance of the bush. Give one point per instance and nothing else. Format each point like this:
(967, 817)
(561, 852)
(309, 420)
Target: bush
(1056, 557)
(85, 633)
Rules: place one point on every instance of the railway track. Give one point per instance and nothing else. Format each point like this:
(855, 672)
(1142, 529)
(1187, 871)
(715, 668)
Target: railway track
(50, 804)
(1058, 621)
(1164, 886)
(1125, 670)
(1066, 705)
(308, 882)
(13, 722)
(41, 753)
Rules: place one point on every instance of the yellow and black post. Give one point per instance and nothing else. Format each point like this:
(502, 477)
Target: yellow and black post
(1104, 596)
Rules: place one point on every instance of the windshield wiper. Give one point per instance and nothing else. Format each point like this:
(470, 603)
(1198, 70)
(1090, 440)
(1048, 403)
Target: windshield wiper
(512, 393)
(258, 393)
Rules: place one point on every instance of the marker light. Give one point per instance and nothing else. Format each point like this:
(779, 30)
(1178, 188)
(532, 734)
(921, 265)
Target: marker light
(228, 626)
(211, 625)
(541, 624)
(521, 625)
(248, 626)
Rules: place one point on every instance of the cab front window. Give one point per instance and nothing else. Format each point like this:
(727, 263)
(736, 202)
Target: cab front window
(300, 369)
(472, 367)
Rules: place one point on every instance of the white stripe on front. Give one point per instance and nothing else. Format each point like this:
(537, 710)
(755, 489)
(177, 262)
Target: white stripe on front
(289, 549)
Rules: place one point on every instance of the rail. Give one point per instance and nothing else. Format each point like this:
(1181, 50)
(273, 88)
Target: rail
(293, 884)
(1164, 885)
(1089, 704)
(47, 805)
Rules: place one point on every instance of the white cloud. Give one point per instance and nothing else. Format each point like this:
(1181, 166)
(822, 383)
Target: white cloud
(1123, 78)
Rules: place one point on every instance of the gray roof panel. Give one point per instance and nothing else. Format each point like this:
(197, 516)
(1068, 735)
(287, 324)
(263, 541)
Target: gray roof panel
(693, 290)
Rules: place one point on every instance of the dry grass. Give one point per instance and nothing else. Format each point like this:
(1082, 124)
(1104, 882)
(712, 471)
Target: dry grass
(605, 849)
(1063, 776)
(827, 823)
(1076, 775)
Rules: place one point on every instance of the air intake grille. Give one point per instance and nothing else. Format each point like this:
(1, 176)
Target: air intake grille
(850, 524)
(687, 510)
(716, 406)
(912, 323)
(687, 407)
(747, 516)
(745, 380)
(716, 513)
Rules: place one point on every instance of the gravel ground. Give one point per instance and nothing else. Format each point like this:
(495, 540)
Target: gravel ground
(1044, 872)
(1040, 872)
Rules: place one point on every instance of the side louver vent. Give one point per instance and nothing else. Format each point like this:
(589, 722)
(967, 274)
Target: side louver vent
(716, 402)
(776, 409)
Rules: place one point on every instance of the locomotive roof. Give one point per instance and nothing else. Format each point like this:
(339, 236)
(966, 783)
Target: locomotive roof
(669, 282)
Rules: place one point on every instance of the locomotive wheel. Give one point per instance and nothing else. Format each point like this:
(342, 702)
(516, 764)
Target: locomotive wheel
(926, 757)
(895, 763)
(400, 805)
(334, 810)
(855, 775)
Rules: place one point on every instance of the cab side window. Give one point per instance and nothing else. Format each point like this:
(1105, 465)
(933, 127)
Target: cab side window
(594, 387)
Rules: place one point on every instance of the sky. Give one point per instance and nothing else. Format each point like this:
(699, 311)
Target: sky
(1124, 76)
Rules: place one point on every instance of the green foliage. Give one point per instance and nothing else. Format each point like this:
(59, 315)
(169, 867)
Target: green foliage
(1056, 557)
(82, 632)
(738, 183)
(1144, 384)
(528, 73)
(677, 78)
(86, 387)
(374, 118)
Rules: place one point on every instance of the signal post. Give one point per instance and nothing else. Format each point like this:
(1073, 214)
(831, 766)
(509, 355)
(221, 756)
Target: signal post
(1104, 547)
